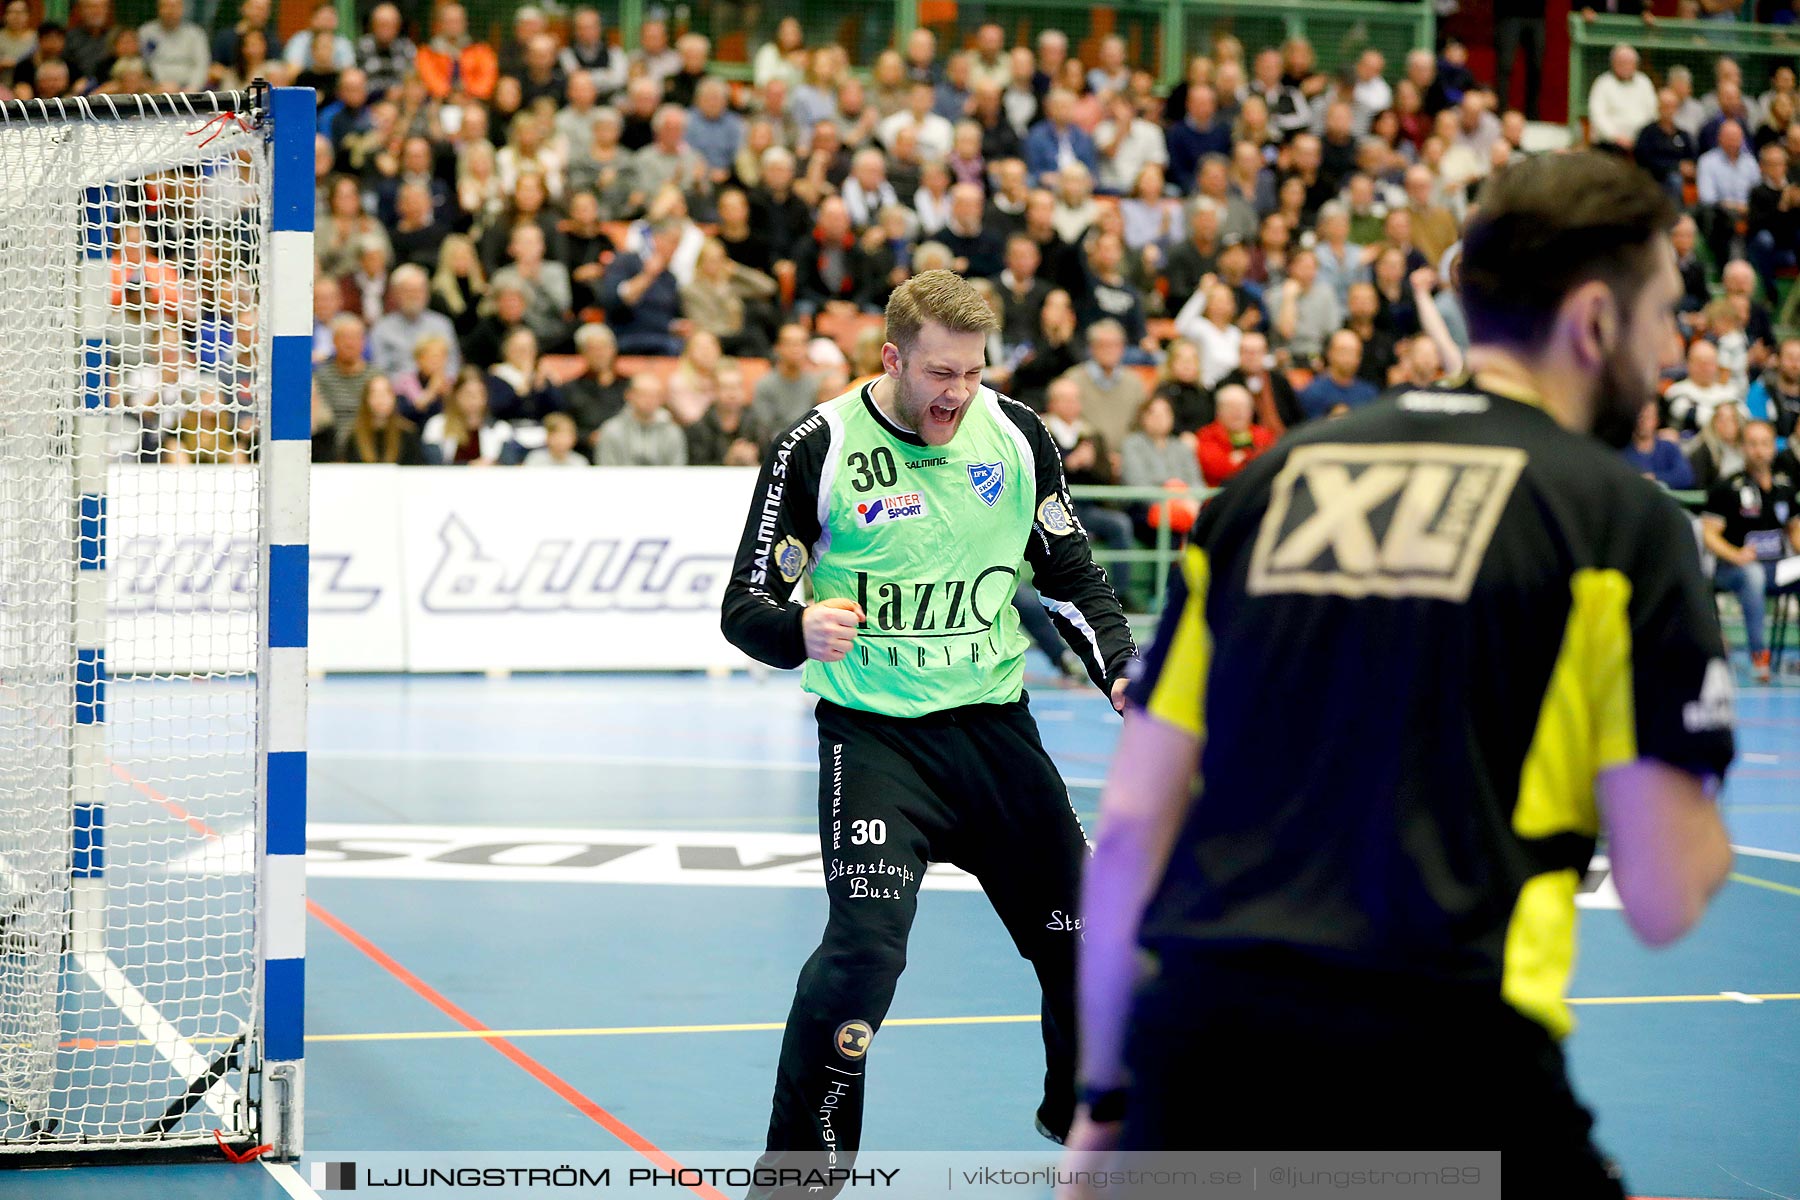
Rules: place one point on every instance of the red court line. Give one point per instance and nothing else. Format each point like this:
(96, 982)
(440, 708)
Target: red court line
(524, 1061)
(137, 785)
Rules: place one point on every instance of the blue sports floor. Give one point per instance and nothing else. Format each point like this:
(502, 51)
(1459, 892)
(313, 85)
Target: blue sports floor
(614, 879)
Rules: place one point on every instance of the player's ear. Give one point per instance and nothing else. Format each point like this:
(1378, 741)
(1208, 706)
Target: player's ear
(890, 358)
(1589, 323)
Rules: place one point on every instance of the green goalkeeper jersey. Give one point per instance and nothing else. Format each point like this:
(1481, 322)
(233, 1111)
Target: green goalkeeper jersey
(932, 542)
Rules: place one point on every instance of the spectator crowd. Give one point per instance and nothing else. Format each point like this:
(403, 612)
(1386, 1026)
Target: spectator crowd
(563, 250)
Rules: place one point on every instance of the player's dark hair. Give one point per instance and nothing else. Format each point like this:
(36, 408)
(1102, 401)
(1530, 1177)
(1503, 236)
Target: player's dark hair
(1548, 224)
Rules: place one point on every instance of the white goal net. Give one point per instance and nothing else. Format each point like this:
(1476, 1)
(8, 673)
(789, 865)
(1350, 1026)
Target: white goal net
(134, 384)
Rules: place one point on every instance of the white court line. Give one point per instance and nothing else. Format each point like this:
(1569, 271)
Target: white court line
(290, 1180)
(608, 760)
(1756, 852)
(169, 1043)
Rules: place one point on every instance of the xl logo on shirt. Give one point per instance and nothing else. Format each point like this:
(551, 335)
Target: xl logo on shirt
(902, 507)
(1406, 519)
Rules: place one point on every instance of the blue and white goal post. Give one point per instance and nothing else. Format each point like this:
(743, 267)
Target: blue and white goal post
(156, 325)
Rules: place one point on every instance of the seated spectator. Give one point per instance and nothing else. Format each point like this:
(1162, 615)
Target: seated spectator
(379, 434)
(1209, 320)
(480, 204)
(889, 247)
(1739, 281)
(393, 337)
(1752, 519)
(1339, 389)
(453, 62)
(696, 378)
(1060, 263)
(423, 391)
(1277, 407)
(642, 299)
(549, 298)
(341, 378)
(1308, 310)
(1156, 455)
(1695, 291)
(1126, 143)
(1087, 461)
(745, 242)
(931, 199)
(831, 267)
(1691, 401)
(1396, 311)
(785, 394)
(1718, 453)
(1076, 208)
(1198, 134)
(1110, 392)
(978, 249)
(1775, 396)
(727, 434)
(1227, 445)
(464, 433)
(366, 286)
(644, 434)
(1054, 350)
(716, 300)
(1111, 295)
(558, 449)
(529, 205)
(936, 135)
(1654, 457)
(1022, 294)
(519, 389)
(1379, 346)
(1665, 149)
(1056, 141)
(385, 54)
(1194, 259)
(598, 393)
(783, 57)
(1178, 382)
(418, 235)
(1773, 220)
(1725, 321)
(501, 313)
(340, 233)
(1152, 220)
(1726, 174)
(176, 50)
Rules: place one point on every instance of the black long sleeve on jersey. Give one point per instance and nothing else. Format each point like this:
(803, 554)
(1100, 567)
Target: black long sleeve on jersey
(1080, 601)
(758, 616)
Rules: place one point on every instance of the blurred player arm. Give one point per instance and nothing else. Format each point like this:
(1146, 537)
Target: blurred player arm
(1078, 597)
(1668, 740)
(1148, 793)
(780, 533)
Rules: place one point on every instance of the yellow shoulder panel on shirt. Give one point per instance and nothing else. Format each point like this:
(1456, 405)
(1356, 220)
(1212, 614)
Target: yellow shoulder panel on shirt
(1179, 697)
(1587, 725)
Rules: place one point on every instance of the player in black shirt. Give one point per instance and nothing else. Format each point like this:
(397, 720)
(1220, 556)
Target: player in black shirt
(1752, 520)
(1421, 657)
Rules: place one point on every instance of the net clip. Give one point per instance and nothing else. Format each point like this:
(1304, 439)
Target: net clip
(220, 122)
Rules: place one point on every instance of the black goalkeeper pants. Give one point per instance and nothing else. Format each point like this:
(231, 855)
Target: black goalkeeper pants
(970, 786)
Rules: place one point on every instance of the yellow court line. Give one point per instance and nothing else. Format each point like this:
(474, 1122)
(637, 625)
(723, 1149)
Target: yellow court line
(1753, 881)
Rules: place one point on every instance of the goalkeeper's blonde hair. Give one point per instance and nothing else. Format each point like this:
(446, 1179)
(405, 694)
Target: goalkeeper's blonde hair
(941, 297)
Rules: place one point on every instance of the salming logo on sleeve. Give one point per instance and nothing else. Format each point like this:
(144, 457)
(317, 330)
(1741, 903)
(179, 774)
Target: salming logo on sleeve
(1394, 520)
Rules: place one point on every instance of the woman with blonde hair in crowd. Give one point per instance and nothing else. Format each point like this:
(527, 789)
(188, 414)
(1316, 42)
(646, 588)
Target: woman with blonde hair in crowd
(1718, 453)
(380, 434)
(695, 381)
(478, 194)
(464, 434)
(459, 284)
(529, 147)
(423, 390)
(1178, 382)
(714, 300)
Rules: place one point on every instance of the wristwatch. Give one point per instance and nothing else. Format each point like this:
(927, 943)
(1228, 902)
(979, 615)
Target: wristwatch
(1104, 1104)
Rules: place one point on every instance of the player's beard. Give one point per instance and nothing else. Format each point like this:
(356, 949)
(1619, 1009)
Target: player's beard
(1620, 397)
(915, 413)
